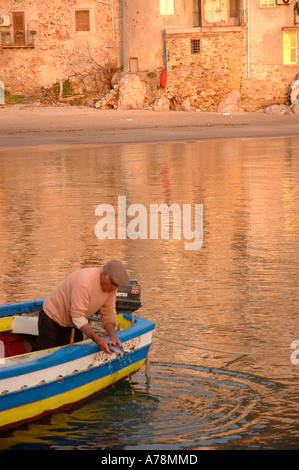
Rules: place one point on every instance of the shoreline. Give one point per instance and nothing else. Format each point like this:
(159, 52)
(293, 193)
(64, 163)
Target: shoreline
(36, 126)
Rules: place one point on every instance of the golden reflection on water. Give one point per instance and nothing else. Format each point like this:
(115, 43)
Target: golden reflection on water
(239, 292)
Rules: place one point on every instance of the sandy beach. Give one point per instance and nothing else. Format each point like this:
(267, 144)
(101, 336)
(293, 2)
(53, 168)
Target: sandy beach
(27, 126)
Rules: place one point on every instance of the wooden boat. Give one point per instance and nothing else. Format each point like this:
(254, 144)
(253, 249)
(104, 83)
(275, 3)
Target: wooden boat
(36, 383)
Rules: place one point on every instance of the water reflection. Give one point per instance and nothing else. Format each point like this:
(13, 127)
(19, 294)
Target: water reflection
(185, 408)
(243, 280)
(239, 292)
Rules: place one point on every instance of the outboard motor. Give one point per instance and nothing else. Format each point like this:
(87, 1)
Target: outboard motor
(128, 297)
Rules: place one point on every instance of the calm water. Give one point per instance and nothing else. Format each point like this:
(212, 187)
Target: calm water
(237, 294)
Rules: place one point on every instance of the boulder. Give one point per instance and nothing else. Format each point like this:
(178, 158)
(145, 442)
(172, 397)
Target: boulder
(76, 84)
(296, 109)
(230, 104)
(108, 101)
(293, 109)
(185, 104)
(295, 92)
(90, 84)
(162, 104)
(131, 92)
(276, 109)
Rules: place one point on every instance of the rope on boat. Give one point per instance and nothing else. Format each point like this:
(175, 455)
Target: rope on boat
(240, 354)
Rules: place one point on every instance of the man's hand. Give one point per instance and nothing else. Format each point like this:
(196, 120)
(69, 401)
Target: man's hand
(115, 340)
(101, 342)
(110, 327)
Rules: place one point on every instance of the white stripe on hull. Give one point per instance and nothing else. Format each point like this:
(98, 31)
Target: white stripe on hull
(32, 379)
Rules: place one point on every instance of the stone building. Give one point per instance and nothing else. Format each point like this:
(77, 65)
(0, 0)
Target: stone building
(208, 48)
(211, 47)
(272, 51)
(45, 41)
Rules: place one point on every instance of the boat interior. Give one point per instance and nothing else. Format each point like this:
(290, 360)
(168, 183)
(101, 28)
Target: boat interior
(18, 336)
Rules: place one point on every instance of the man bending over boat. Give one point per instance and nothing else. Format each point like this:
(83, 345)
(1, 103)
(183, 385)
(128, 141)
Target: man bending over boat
(82, 294)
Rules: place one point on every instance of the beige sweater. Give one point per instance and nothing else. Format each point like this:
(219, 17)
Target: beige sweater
(79, 297)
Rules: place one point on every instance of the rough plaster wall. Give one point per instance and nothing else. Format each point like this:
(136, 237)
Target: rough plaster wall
(56, 42)
(142, 34)
(143, 30)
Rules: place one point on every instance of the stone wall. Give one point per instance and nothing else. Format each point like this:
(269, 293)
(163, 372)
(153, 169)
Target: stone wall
(212, 72)
(266, 85)
(58, 46)
(201, 78)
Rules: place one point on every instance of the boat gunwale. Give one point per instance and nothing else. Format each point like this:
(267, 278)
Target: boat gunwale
(17, 308)
(69, 353)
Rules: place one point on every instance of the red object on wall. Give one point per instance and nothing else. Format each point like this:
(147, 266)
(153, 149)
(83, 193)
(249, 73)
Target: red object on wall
(163, 78)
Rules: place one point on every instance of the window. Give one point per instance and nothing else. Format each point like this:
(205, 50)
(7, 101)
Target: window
(195, 46)
(17, 36)
(82, 20)
(234, 8)
(18, 21)
(167, 7)
(289, 44)
(267, 3)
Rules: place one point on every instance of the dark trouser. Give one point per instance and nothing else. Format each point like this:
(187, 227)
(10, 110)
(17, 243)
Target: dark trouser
(51, 335)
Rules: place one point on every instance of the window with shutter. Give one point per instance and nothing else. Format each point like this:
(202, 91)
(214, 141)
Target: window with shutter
(167, 7)
(289, 39)
(82, 20)
(267, 3)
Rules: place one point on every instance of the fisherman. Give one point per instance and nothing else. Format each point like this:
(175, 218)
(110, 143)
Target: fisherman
(83, 293)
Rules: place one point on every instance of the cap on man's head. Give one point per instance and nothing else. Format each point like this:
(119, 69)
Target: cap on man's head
(117, 272)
